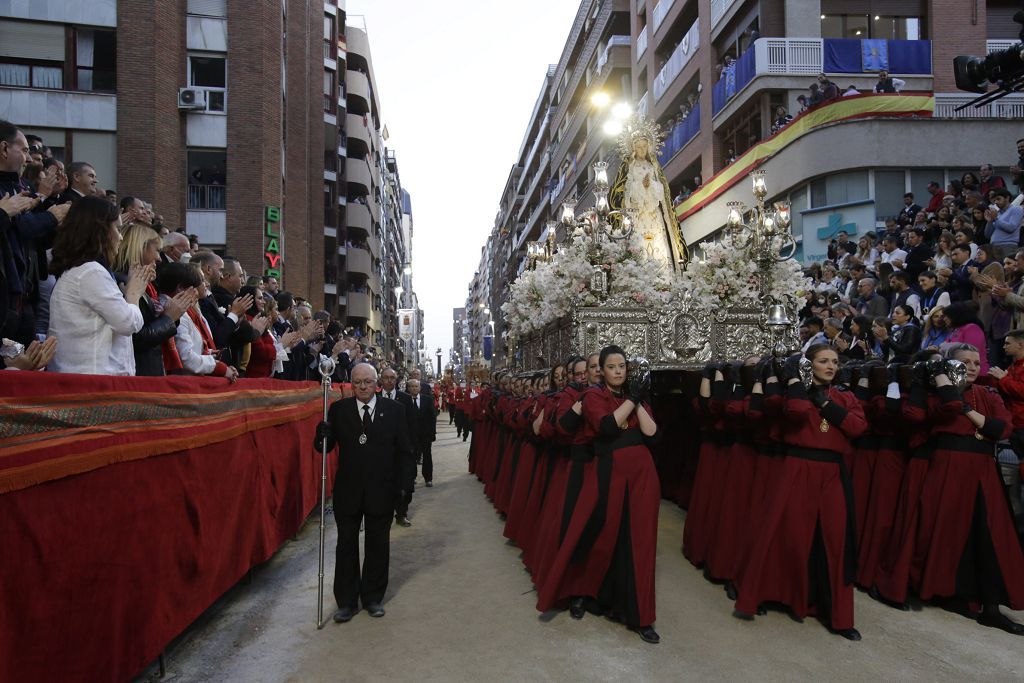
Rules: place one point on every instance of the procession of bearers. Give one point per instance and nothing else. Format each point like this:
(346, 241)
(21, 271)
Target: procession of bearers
(812, 479)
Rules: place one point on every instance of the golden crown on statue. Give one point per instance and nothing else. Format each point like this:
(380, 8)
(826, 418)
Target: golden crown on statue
(638, 127)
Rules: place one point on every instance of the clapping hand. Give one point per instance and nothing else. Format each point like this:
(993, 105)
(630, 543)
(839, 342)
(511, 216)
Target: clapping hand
(36, 357)
(138, 277)
(181, 302)
(259, 324)
(14, 204)
(241, 304)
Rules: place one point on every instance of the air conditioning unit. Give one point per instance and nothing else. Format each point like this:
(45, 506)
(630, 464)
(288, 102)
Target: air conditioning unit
(191, 98)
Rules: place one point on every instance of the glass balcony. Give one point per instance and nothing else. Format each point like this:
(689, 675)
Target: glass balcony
(681, 56)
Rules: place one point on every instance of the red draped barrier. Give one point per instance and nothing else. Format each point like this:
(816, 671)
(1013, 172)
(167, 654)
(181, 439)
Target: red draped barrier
(129, 505)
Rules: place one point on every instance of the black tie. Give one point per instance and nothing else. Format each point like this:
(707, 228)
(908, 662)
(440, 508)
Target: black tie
(366, 419)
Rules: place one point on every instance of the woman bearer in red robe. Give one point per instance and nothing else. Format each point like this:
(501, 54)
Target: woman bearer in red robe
(609, 558)
(804, 554)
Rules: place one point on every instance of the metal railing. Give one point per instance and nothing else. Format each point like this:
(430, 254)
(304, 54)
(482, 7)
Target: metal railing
(208, 197)
(1009, 107)
(789, 56)
(681, 56)
(993, 45)
(718, 10)
(661, 9)
(614, 41)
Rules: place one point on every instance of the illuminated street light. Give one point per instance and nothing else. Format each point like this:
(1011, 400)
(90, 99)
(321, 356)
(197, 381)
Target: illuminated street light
(622, 111)
(612, 127)
(600, 99)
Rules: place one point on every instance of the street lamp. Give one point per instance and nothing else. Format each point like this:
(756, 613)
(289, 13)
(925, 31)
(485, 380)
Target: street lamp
(438, 361)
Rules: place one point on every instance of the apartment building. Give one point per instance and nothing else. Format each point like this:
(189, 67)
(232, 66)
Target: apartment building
(253, 125)
(715, 72)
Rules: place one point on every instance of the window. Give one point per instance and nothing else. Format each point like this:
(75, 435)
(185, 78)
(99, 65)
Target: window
(210, 74)
(31, 54)
(207, 180)
(839, 188)
(95, 60)
(889, 189)
(861, 26)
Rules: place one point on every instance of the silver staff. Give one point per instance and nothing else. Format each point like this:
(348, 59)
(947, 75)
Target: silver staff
(326, 370)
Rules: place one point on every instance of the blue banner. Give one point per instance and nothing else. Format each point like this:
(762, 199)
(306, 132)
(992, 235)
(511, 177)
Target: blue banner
(488, 347)
(874, 55)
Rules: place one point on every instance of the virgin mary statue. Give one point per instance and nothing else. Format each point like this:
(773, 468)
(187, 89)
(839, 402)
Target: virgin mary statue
(642, 189)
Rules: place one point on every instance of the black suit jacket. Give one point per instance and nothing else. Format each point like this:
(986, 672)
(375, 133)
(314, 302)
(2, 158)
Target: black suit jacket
(370, 476)
(426, 428)
(412, 423)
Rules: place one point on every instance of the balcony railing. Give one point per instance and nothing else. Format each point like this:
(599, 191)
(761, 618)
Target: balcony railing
(681, 56)
(660, 12)
(641, 43)
(812, 56)
(718, 10)
(1009, 107)
(614, 41)
(210, 197)
(993, 45)
(679, 136)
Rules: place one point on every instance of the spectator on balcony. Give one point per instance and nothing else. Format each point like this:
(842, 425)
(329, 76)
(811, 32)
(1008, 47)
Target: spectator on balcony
(829, 90)
(271, 285)
(81, 180)
(888, 85)
(255, 357)
(111, 194)
(802, 101)
(89, 314)
(782, 119)
(816, 97)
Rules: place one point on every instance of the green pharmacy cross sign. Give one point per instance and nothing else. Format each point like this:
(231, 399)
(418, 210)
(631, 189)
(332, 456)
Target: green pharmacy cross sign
(274, 251)
(835, 226)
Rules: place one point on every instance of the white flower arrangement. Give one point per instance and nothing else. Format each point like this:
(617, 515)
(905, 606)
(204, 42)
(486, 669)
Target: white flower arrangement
(725, 277)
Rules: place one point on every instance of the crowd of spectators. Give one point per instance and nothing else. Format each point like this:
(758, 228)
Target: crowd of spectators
(949, 272)
(97, 284)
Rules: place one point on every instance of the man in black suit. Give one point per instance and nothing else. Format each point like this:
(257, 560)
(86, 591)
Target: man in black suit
(375, 452)
(426, 431)
(229, 324)
(389, 389)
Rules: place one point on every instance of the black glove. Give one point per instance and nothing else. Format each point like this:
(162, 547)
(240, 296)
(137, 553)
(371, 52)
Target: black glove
(732, 372)
(763, 369)
(919, 374)
(778, 364)
(710, 369)
(791, 368)
(818, 395)
(893, 372)
(845, 374)
(323, 431)
(640, 387)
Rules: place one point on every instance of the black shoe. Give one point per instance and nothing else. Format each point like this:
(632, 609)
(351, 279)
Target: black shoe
(848, 633)
(375, 609)
(344, 614)
(648, 635)
(730, 591)
(402, 521)
(430, 484)
(1001, 621)
(576, 609)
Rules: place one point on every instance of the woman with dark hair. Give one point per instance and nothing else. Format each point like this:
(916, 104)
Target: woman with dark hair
(967, 548)
(881, 329)
(904, 339)
(862, 343)
(193, 338)
(932, 294)
(986, 274)
(965, 328)
(256, 358)
(969, 182)
(804, 553)
(607, 554)
(88, 313)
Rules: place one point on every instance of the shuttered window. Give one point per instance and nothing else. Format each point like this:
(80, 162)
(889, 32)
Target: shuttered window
(208, 8)
(28, 40)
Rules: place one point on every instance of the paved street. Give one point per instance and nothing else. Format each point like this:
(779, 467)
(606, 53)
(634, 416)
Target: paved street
(460, 607)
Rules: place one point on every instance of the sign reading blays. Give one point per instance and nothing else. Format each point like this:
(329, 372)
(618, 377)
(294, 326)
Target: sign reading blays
(273, 252)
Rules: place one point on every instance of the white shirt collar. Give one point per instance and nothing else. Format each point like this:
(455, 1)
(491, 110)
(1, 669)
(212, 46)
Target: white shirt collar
(372, 403)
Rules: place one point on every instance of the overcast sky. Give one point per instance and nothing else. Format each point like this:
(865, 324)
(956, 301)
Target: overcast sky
(457, 82)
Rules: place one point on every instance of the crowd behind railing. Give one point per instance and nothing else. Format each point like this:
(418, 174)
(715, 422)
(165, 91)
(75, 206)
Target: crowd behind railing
(97, 284)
